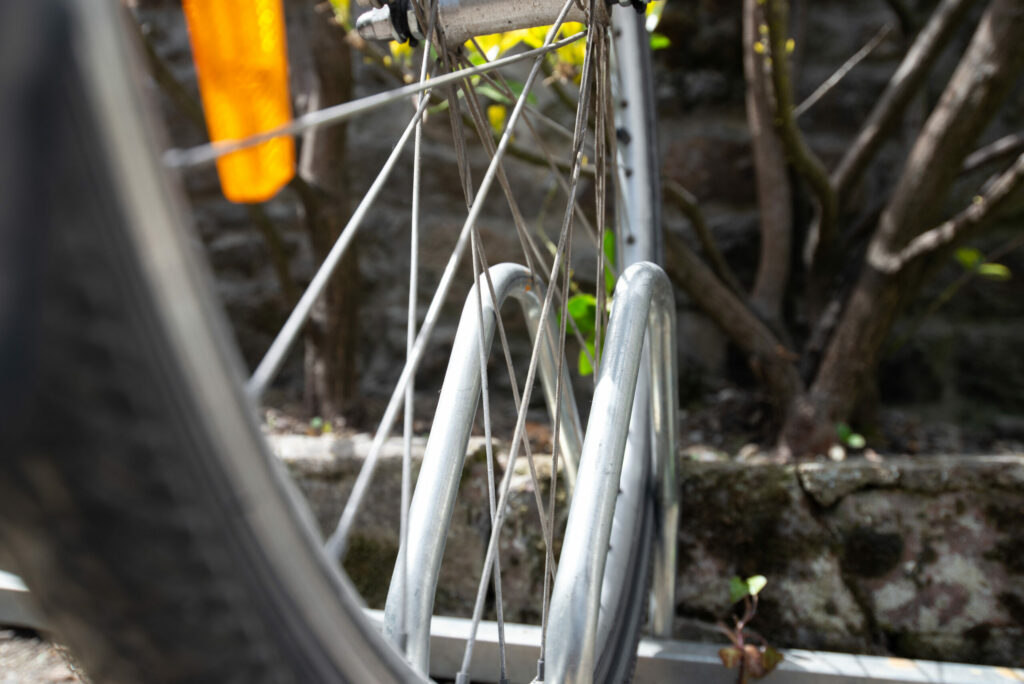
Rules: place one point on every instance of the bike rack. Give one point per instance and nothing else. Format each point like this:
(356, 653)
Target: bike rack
(660, 661)
(643, 306)
(434, 498)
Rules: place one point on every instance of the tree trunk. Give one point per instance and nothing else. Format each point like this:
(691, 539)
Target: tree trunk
(981, 81)
(774, 199)
(332, 334)
(768, 358)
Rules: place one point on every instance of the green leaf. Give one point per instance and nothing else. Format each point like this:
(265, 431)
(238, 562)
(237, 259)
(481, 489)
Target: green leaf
(660, 41)
(582, 309)
(848, 437)
(737, 589)
(969, 257)
(583, 363)
(608, 246)
(994, 271)
(492, 93)
(770, 659)
(730, 656)
(756, 583)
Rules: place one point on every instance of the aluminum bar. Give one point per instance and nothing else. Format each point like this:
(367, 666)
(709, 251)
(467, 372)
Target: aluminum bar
(438, 483)
(643, 305)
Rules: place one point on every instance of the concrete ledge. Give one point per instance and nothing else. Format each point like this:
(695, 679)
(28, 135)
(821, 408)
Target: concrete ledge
(913, 557)
(661, 661)
(16, 606)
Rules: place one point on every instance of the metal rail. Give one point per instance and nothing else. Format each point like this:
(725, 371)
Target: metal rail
(434, 499)
(660, 660)
(643, 306)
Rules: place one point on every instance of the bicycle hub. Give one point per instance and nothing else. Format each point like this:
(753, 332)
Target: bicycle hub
(460, 20)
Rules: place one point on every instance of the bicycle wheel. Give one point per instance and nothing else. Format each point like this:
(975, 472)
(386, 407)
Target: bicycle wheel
(139, 500)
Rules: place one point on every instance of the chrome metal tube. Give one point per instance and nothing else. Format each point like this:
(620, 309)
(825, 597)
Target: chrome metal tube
(643, 306)
(443, 460)
(464, 19)
(638, 181)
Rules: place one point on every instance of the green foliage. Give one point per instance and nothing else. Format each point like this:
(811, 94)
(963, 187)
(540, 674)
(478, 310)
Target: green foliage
(756, 583)
(972, 259)
(660, 41)
(319, 426)
(754, 661)
(608, 245)
(740, 588)
(849, 438)
(583, 307)
(994, 271)
(583, 310)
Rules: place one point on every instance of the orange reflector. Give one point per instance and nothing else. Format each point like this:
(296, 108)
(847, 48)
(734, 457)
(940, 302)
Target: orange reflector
(241, 60)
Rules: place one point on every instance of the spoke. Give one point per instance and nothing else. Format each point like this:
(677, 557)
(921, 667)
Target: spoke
(410, 340)
(482, 128)
(477, 119)
(488, 446)
(498, 81)
(272, 360)
(531, 372)
(337, 543)
(567, 225)
(502, 85)
(483, 131)
(204, 154)
(601, 182)
(546, 526)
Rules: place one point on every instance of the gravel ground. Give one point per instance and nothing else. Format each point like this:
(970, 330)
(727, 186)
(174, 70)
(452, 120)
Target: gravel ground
(25, 658)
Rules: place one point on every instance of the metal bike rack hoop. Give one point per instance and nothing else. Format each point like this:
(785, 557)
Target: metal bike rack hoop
(643, 305)
(434, 498)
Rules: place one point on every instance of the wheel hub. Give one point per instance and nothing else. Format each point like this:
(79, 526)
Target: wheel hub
(462, 19)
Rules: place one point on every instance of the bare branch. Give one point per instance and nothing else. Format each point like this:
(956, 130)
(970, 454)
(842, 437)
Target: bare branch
(980, 213)
(979, 84)
(1004, 148)
(840, 73)
(770, 360)
(988, 69)
(907, 80)
(822, 235)
(774, 194)
(686, 202)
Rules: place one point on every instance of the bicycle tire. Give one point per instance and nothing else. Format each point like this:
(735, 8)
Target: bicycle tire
(132, 418)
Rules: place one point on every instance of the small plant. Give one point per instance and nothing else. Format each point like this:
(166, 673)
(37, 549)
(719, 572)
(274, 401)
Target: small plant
(753, 660)
(319, 426)
(849, 438)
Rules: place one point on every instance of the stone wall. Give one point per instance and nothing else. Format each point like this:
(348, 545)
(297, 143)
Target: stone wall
(915, 558)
